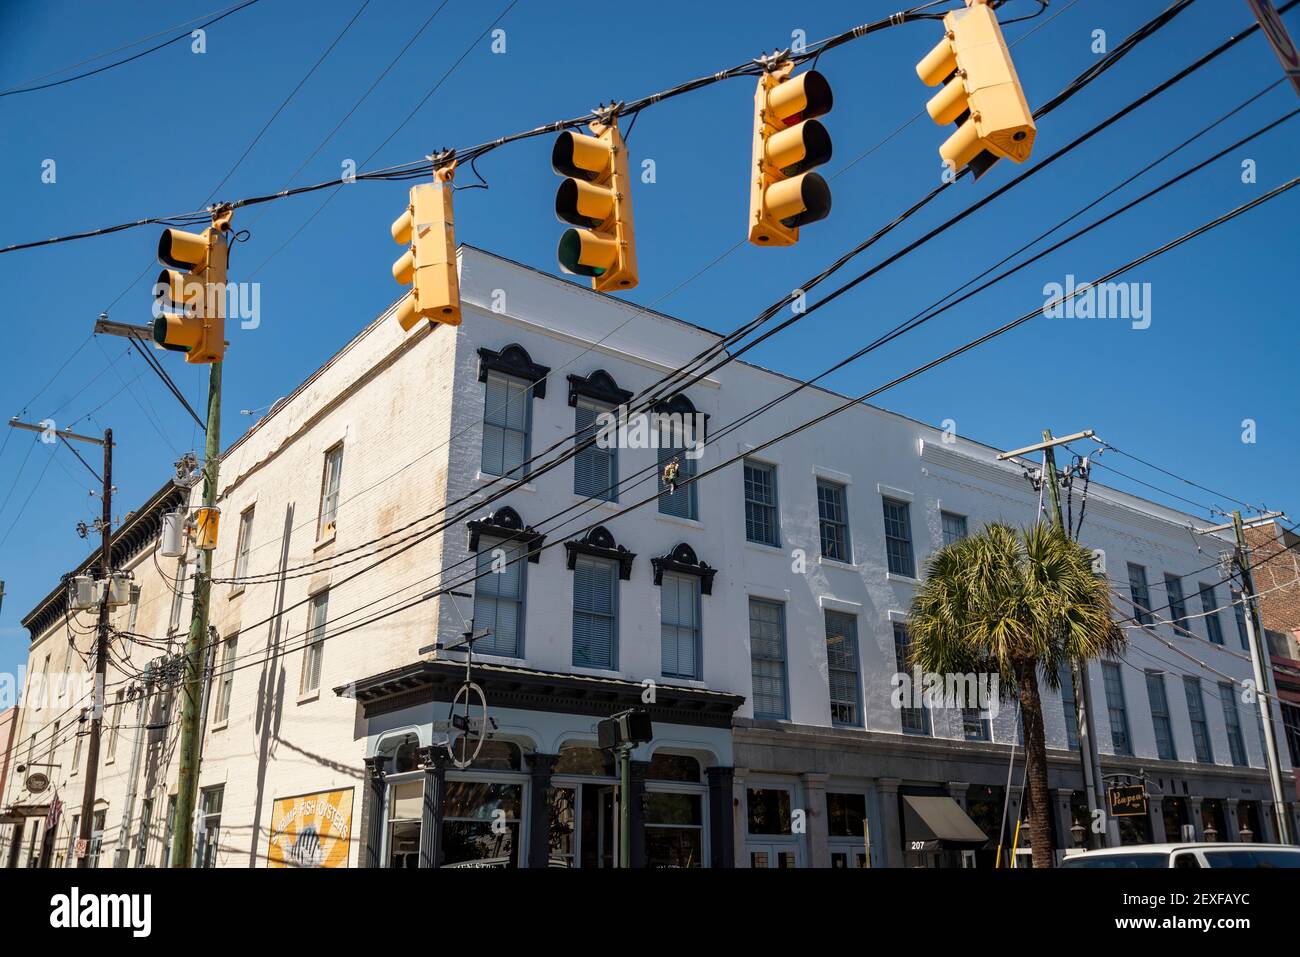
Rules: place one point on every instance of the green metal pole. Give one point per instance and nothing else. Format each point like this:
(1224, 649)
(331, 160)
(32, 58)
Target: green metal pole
(192, 690)
(625, 807)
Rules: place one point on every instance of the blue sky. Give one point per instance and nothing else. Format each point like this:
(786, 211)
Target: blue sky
(157, 135)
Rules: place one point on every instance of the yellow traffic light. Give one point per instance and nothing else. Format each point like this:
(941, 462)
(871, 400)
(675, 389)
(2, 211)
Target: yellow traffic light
(596, 196)
(429, 264)
(981, 92)
(789, 143)
(191, 313)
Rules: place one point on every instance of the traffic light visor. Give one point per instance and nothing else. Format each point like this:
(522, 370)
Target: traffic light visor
(585, 157)
(583, 253)
(181, 249)
(582, 203)
(176, 332)
(938, 64)
(800, 98)
(799, 148)
(799, 200)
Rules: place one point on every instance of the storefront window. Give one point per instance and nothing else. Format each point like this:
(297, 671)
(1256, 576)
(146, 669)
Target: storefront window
(585, 759)
(673, 767)
(405, 810)
(846, 817)
(769, 810)
(561, 817)
(481, 824)
(674, 830)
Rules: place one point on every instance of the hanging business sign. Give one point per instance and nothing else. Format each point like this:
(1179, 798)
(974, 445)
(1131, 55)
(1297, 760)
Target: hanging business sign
(1129, 800)
(311, 830)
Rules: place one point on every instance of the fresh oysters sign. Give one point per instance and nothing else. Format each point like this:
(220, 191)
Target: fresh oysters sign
(311, 830)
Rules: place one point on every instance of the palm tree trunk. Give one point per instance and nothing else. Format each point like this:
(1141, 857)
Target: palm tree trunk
(1031, 710)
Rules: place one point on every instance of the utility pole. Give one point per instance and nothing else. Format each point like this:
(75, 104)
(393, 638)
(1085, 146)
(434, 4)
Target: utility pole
(1089, 759)
(1263, 678)
(50, 434)
(101, 661)
(194, 671)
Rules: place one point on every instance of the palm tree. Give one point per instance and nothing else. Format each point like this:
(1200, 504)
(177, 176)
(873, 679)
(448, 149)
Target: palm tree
(1018, 604)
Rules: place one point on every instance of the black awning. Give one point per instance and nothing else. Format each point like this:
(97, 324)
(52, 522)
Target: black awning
(937, 822)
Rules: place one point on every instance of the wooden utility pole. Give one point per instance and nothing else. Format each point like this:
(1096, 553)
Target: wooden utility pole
(101, 661)
(51, 434)
(195, 672)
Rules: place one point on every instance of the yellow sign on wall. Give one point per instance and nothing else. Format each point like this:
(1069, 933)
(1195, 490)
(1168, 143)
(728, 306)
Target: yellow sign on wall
(311, 830)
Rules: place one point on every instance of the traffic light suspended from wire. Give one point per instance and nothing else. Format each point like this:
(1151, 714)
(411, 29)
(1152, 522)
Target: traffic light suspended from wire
(789, 143)
(596, 198)
(981, 92)
(190, 311)
(428, 230)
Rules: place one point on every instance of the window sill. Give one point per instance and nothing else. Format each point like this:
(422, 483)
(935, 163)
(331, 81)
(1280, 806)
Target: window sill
(595, 502)
(683, 522)
(221, 725)
(595, 672)
(837, 563)
(484, 477)
(235, 592)
(676, 681)
(905, 579)
(764, 547)
(325, 540)
(308, 697)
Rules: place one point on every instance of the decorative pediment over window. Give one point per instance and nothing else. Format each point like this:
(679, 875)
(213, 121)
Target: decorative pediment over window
(682, 561)
(599, 543)
(514, 360)
(599, 387)
(506, 523)
(680, 405)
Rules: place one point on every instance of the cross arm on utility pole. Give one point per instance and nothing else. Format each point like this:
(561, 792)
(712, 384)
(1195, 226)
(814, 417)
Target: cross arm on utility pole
(61, 433)
(1046, 444)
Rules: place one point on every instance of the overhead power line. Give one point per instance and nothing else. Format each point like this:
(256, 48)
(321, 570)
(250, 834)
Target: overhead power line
(81, 76)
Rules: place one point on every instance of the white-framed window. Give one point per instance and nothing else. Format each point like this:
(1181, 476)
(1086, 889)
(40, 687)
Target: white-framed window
(244, 543)
(1196, 716)
(1120, 740)
(1232, 722)
(226, 679)
(762, 522)
(507, 422)
(954, 527)
(329, 491)
(1210, 605)
(767, 658)
(842, 668)
(675, 831)
(595, 612)
(169, 832)
(595, 469)
(209, 825)
(833, 518)
(679, 624)
(142, 835)
(1160, 722)
(499, 597)
(898, 537)
(314, 652)
(1140, 593)
(912, 720)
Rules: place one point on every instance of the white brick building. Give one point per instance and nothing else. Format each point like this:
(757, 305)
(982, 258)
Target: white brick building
(721, 597)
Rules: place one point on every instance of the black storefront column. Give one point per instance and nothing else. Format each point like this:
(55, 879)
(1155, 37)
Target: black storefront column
(636, 851)
(372, 811)
(722, 828)
(434, 762)
(540, 767)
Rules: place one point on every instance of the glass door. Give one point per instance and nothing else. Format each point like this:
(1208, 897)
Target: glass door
(764, 856)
